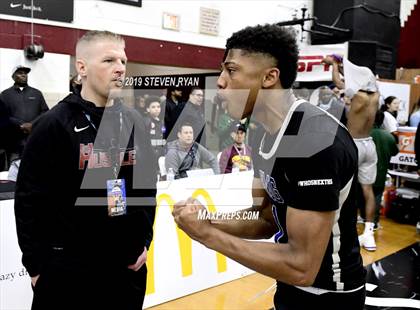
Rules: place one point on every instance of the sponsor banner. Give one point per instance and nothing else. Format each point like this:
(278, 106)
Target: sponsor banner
(61, 11)
(310, 68)
(406, 138)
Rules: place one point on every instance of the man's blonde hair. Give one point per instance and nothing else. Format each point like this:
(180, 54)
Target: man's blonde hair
(97, 35)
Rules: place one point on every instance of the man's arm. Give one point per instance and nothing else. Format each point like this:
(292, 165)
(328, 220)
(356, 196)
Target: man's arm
(35, 187)
(223, 161)
(171, 160)
(209, 158)
(43, 104)
(296, 262)
(336, 71)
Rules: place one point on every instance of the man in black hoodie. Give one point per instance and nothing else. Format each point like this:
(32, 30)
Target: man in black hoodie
(85, 196)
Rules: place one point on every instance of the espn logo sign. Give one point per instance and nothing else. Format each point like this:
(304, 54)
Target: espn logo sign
(306, 63)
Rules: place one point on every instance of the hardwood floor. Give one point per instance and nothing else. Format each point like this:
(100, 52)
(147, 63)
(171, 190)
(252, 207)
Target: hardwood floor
(251, 292)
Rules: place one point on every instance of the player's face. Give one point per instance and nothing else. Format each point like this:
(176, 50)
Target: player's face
(240, 80)
(105, 68)
(186, 135)
(154, 109)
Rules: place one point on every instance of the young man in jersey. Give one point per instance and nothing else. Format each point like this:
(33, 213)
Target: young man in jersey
(85, 194)
(306, 164)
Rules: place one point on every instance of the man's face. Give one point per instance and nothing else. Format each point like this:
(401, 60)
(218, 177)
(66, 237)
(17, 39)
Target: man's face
(105, 65)
(197, 97)
(20, 77)
(177, 93)
(186, 135)
(239, 137)
(241, 79)
(325, 95)
(154, 109)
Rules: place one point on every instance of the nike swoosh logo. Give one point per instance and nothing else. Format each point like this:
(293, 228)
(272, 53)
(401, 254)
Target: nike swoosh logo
(13, 5)
(80, 129)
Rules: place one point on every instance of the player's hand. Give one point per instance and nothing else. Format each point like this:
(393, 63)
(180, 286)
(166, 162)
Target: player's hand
(141, 260)
(34, 280)
(186, 215)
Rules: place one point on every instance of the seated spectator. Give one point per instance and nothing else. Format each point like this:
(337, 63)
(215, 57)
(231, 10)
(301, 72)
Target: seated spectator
(237, 155)
(329, 102)
(155, 125)
(415, 115)
(184, 154)
(390, 109)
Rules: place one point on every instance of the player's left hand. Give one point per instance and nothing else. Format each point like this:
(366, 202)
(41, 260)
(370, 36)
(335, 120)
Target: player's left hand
(141, 260)
(186, 215)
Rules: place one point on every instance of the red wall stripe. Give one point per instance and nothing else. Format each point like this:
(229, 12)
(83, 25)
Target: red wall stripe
(15, 34)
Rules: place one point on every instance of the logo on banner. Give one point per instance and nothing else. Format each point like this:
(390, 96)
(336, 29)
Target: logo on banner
(307, 63)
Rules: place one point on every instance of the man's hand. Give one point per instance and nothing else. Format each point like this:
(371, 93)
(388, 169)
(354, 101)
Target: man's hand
(329, 60)
(34, 280)
(140, 261)
(26, 128)
(185, 214)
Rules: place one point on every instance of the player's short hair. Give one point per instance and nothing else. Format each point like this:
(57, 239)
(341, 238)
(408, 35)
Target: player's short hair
(273, 40)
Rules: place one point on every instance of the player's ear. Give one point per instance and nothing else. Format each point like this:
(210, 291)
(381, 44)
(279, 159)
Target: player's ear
(271, 77)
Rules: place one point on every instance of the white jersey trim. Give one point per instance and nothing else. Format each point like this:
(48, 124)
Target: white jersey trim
(281, 132)
(320, 291)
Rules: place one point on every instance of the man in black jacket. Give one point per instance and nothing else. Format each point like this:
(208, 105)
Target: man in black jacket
(85, 196)
(24, 105)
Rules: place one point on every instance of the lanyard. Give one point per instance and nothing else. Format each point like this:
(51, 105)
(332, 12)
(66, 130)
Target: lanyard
(114, 150)
(239, 153)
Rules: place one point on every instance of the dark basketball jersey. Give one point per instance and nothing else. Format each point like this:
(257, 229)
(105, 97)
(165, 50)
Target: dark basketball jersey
(311, 164)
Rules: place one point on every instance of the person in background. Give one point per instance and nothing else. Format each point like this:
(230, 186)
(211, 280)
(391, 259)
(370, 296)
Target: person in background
(329, 102)
(390, 109)
(155, 125)
(415, 115)
(75, 84)
(361, 88)
(385, 148)
(24, 105)
(238, 155)
(173, 109)
(140, 105)
(417, 148)
(82, 247)
(193, 113)
(185, 154)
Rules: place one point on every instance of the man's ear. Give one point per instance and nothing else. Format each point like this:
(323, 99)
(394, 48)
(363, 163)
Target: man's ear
(81, 67)
(271, 77)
